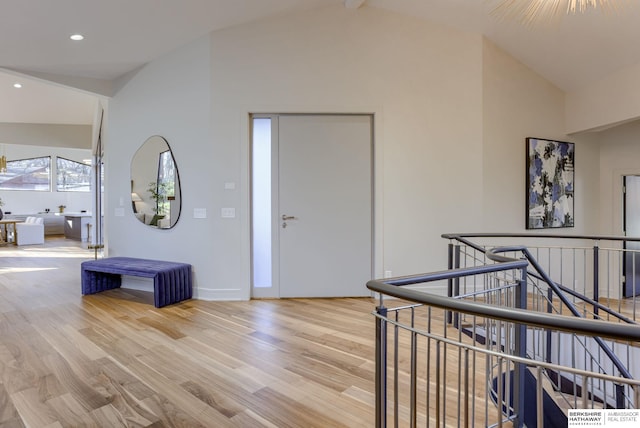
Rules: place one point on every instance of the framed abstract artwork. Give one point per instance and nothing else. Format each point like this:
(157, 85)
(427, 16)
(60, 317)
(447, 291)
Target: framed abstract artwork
(550, 184)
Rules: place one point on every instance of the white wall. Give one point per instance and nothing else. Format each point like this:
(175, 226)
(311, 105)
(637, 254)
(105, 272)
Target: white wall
(421, 81)
(613, 99)
(619, 155)
(449, 134)
(29, 202)
(171, 98)
(518, 103)
(39, 134)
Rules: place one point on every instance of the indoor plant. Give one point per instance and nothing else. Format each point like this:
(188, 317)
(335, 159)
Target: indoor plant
(158, 193)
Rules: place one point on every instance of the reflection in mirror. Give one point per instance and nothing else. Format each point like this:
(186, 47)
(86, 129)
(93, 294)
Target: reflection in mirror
(155, 184)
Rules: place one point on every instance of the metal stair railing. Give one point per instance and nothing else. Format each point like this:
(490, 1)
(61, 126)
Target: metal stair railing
(555, 289)
(506, 276)
(621, 368)
(590, 265)
(433, 382)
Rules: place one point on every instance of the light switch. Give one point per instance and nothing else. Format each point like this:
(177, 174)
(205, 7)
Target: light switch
(199, 213)
(228, 212)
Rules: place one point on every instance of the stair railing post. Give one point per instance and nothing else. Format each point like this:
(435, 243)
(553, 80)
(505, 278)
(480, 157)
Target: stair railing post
(520, 349)
(381, 366)
(549, 335)
(596, 277)
(453, 284)
(620, 398)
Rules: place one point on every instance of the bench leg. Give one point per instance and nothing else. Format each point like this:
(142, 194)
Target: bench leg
(172, 287)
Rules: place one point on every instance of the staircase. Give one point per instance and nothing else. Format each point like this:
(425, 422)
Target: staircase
(553, 417)
(550, 332)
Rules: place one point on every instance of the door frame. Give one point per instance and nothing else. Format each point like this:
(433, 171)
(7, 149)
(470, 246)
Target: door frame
(376, 193)
(615, 182)
(272, 292)
(627, 290)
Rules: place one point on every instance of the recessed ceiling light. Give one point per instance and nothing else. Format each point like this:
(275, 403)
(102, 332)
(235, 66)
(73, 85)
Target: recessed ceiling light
(17, 85)
(76, 37)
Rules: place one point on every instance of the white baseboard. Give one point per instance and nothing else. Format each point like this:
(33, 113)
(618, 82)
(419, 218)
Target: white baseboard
(210, 294)
(146, 284)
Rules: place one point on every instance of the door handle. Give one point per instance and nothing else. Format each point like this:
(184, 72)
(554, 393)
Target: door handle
(286, 218)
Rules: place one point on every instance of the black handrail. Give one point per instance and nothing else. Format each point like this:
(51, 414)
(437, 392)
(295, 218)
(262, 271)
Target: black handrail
(589, 327)
(456, 273)
(461, 236)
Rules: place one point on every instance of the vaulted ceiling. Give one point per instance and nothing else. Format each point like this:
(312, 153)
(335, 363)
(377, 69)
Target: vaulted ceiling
(122, 35)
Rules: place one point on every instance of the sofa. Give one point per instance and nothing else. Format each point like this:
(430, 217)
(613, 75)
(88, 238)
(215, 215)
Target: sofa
(53, 222)
(31, 231)
(159, 221)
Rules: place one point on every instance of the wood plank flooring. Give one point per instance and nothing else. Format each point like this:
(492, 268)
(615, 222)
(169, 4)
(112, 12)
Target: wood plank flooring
(114, 360)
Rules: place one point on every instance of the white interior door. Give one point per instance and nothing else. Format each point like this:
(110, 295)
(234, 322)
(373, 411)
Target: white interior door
(324, 216)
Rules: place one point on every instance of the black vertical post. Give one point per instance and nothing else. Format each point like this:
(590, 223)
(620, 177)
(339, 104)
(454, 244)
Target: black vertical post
(620, 396)
(450, 251)
(596, 277)
(520, 351)
(453, 285)
(547, 330)
(381, 367)
(456, 265)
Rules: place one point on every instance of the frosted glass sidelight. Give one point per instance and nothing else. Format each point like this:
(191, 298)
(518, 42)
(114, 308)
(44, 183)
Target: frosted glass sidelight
(261, 202)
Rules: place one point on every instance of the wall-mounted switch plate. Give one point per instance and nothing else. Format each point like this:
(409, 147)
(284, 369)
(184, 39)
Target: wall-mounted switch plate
(228, 212)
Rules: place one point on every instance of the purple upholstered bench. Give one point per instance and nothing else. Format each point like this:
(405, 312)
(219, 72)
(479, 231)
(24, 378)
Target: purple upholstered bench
(171, 280)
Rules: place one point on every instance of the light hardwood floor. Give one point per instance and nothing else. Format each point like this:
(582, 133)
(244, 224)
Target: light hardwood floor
(113, 359)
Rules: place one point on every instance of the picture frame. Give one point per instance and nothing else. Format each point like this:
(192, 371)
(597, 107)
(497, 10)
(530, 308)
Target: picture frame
(550, 181)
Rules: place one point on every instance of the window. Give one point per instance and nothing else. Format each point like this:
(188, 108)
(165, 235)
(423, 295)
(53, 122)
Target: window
(72, 176)
(27, 174)
(166, 182)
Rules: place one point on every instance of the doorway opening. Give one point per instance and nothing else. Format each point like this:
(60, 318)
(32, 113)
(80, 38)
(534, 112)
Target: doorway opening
(311, 205)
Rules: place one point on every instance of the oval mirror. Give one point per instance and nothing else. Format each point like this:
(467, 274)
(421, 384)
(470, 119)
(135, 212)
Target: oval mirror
(155, 184)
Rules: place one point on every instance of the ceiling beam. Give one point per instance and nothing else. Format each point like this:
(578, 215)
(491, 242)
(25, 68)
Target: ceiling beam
(353, 4)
